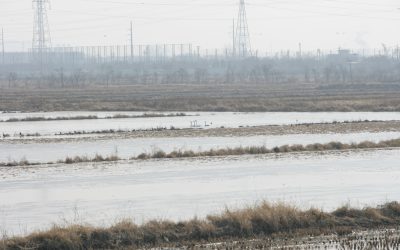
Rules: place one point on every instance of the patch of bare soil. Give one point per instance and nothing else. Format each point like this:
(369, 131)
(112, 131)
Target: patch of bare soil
(377, 239)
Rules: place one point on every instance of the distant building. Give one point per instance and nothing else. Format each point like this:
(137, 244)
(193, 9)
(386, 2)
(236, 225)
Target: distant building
(344, 55)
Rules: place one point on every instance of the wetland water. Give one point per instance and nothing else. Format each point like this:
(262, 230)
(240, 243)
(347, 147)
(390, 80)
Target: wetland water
(35, 197)
(126, 148)
(179, 189)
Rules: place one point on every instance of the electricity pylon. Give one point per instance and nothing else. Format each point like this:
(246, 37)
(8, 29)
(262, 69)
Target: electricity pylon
(242, 44)
(41, 33)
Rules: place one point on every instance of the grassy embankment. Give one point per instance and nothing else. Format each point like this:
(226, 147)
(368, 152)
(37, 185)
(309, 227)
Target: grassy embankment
(317, 147)
(255, 150)
(264, 220)
(92, 117)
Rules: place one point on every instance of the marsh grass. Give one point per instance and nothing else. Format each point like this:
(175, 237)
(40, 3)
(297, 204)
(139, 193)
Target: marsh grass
(38, 119)
(254, 150)
(21, 163)
(97, 158)
(93, 117)
(263, 220)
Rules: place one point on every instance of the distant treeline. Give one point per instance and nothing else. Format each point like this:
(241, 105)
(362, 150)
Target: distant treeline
(333, 69)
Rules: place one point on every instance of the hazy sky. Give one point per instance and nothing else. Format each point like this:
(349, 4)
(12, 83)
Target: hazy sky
(274, 24)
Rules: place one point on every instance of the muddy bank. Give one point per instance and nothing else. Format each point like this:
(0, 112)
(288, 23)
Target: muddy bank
(375, 239)
(323, 128)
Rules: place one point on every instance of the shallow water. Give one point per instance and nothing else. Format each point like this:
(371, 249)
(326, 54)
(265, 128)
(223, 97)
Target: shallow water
(127, 148)
(179, 189)
(212, 120)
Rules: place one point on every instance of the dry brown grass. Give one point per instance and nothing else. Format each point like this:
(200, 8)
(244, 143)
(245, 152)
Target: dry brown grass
(254, 150)
(262, 220)
(97, 158)
(92, 117)
(206, 97)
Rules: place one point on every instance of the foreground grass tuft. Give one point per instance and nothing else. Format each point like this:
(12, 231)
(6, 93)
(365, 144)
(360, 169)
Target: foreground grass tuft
(262, 220)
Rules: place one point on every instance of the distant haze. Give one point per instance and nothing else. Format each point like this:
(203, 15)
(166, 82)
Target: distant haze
(274, 24)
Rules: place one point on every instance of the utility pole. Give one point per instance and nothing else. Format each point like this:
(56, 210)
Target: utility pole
(233, 39)
(131, 41)
(2, 47)
(242, 44)
(300, 50)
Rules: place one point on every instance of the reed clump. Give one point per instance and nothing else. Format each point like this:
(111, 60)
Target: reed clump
(38, 119)
(255, 150)
(21, 163)
(97, 158)
(262, 220)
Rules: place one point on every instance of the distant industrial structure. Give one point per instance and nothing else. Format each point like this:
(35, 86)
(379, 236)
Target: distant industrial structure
(43, 53)
(48, 57)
